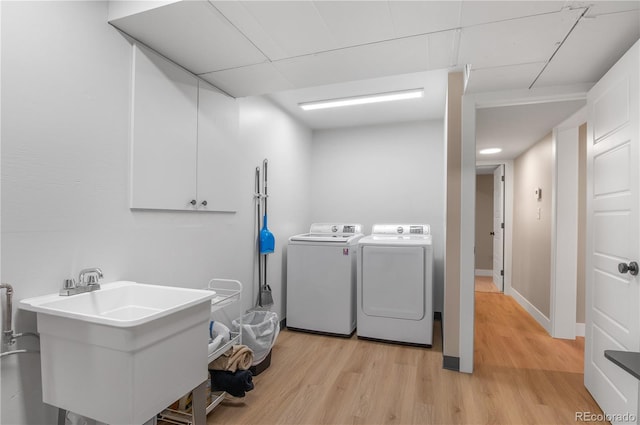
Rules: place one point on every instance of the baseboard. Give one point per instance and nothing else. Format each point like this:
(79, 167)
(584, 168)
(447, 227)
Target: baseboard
(480, 272)
(451, 363)
(543, 320)
(580, 329)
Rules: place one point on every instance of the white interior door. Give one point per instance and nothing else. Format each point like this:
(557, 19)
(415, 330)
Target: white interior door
(498, 227)
(613, 234)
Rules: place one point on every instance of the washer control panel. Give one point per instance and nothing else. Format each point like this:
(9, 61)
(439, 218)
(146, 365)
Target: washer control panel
(336, 228)
(401, 229)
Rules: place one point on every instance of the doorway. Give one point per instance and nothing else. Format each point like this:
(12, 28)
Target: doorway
(489, 229)
(470, 104)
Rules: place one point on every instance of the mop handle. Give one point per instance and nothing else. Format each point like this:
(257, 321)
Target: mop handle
(258, 182)
(264, 166)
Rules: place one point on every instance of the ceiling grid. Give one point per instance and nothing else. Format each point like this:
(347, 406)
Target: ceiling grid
(296, 50)
(559, 47)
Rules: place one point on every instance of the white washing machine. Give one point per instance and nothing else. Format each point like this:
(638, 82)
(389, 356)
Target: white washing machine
(395, 284)
(321, 279)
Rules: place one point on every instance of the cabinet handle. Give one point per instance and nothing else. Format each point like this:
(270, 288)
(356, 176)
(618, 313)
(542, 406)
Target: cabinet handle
(204, 203)
(193, 202)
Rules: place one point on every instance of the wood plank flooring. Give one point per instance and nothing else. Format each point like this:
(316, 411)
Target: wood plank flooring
(485, 284)
(522, 376)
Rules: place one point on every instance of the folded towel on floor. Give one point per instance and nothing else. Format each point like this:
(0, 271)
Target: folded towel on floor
(238, 357)
(235, 383)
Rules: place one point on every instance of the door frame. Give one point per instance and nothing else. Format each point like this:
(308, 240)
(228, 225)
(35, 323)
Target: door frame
(508, 217)
(564, 226)
(471, 102)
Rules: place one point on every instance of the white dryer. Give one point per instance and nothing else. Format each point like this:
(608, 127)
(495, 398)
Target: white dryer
(395, 284)
(321, 279)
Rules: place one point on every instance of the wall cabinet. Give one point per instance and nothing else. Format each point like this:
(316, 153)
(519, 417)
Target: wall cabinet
(184, 139)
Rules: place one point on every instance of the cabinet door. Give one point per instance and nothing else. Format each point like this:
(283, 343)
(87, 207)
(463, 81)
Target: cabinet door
(218, 150)
(164, 133)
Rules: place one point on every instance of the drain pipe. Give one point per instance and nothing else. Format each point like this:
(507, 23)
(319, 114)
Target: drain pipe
(8, 337)
(7, 330)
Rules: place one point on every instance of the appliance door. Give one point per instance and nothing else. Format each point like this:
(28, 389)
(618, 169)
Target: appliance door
(393, 282)
(320, 288)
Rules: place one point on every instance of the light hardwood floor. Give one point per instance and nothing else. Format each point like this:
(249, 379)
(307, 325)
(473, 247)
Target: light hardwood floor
(522, 376)
(485, 284)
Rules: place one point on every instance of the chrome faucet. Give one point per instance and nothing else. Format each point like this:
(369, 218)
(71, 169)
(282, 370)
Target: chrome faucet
(87, 282)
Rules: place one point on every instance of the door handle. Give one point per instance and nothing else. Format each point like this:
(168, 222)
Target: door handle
(492, 233)
(631, 268)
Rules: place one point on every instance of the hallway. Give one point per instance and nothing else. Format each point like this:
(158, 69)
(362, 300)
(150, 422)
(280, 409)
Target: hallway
(536, 378)
(522, 376)
(485, 284)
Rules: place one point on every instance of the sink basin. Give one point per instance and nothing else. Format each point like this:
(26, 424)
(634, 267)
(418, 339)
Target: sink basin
(120, 304)
(123, 353)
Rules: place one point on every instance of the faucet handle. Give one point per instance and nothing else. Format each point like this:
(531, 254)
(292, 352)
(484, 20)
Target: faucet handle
(69, 284)
(90, 273)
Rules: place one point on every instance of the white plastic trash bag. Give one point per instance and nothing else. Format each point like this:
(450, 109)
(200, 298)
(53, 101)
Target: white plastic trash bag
(259, 332)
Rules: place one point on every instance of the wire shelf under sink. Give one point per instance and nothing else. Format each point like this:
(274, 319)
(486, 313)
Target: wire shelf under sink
(235, 339)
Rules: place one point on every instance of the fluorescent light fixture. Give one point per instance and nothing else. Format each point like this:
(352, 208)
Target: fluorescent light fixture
(489, 151)
(362, 100)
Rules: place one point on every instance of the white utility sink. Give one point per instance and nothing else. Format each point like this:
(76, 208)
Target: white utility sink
(120, 304)
(123, 353)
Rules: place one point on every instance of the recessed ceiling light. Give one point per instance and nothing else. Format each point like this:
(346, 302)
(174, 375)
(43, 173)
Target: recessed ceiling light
(362, 100)
(489, 151)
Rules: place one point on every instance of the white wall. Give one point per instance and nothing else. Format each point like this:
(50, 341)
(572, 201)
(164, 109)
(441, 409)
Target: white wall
(268, 132)
(65, 153)
(382, 174)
